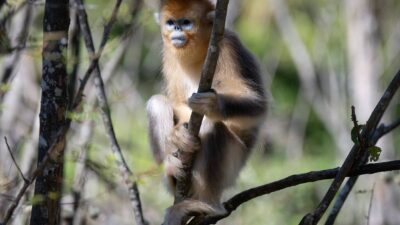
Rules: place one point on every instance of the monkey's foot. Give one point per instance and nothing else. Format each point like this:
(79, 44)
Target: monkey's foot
(179, 214)
(183, 140)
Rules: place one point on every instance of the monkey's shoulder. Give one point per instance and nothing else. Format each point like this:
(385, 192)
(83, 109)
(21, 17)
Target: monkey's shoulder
(236, 59)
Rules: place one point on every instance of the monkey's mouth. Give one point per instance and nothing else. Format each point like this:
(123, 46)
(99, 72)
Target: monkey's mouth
(178, 42)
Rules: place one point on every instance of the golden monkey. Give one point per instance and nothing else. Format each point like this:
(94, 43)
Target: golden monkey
(233, 109)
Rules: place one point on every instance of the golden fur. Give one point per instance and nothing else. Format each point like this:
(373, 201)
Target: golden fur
(233, 111)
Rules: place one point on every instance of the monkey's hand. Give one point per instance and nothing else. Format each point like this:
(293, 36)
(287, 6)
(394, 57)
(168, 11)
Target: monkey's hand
(208, 104)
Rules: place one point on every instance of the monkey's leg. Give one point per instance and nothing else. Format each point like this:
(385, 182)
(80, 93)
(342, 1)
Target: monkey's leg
(161, 123)
(166, 138)
(219, 162)
(217, 166)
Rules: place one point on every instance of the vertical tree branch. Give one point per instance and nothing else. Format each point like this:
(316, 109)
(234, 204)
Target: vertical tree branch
(54, 104)
(75, 34)
(105, 111)
(207, 75)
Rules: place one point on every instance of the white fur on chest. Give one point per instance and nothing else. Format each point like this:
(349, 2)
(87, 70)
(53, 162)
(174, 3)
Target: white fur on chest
(190, 86)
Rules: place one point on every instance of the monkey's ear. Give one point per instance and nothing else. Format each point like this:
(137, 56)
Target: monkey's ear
(157, 17)
(211, 16)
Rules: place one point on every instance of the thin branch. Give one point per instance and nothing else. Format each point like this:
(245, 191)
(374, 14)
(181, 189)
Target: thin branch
(385, 129)
(96, 56)
(340, 200)
(23, 37)
(370, 203)
(345, 191)
(207, 75)
(350, 161)
(355, 122)
(75, 46)
(106, 117)
(294, 180)
(13, 11)
(13, 159)
(53, 151)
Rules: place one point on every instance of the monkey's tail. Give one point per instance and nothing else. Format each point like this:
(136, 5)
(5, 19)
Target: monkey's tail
(180, 213)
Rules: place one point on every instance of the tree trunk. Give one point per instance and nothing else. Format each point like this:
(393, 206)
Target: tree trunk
(54, 102)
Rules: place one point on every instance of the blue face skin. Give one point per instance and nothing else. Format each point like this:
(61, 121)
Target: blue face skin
(177, 28)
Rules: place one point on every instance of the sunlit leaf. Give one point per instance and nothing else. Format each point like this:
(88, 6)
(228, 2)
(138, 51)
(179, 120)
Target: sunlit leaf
(374, 152)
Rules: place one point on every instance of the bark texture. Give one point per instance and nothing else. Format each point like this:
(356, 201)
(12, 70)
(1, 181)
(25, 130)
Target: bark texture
(54, 103)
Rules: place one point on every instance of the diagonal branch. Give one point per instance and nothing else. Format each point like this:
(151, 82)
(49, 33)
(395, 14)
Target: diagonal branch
(53, 152)
(356, 151)
(127, 174)
(294, 180)
(94, 56)
(13, 159)
(207, 75)
(345, 191)
(21, 42)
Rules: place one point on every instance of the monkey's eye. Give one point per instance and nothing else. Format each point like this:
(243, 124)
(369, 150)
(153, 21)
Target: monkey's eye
(170, 22)
(186, 22)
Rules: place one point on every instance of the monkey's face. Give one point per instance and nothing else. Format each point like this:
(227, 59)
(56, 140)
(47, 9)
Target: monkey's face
(185, 25)
(178, 30)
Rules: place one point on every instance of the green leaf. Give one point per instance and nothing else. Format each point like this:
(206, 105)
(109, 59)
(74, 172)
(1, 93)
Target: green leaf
(354, 135)
(374, 152)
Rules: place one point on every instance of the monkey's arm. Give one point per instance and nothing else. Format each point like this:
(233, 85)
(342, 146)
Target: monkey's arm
(220, 107)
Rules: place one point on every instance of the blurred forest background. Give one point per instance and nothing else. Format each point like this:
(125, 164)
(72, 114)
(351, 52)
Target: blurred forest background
(319, 57)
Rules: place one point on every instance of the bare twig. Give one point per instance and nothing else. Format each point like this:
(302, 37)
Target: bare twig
(370, 203)
(75, 46)
(345, 191)
(207, 74)
(109, 70)
(341, 198)
(12, 12)
(294, 180)
(355, 123)
(350, 161)
(96, 56)
(13, 159)
(385, 129)
(53, 151)
(23, 34)
(105, 113)
(86, 134)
